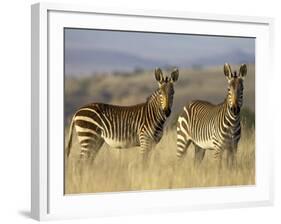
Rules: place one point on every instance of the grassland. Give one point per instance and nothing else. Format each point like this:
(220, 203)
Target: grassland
(119, 169)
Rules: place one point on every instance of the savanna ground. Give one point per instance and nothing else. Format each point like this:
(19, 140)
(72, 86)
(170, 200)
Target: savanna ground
(117, 170)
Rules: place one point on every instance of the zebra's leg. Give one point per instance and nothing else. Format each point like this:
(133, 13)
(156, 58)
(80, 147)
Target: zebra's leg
(145, 159)
(199, 155)
(218, 156)
(95, 149)
(183, 140)
(182, 146)
(231, 159)
(89, 151)
(145, 145)
(220, 162)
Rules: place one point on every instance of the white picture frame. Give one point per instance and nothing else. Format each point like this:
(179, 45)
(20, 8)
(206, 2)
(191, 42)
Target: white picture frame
(48, 200)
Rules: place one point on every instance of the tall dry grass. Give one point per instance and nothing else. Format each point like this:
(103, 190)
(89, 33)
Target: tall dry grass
(116, 170)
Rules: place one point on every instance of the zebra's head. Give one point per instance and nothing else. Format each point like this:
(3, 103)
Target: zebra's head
(166, 89)
(235, 87)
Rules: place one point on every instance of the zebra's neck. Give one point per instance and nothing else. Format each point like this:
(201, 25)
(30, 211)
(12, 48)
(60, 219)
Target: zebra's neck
(232, 120)
(154, 110)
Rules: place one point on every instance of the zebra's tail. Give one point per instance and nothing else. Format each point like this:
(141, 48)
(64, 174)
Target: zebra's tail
(69, 143)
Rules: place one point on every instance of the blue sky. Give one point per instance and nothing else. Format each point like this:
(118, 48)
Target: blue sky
(90, 51)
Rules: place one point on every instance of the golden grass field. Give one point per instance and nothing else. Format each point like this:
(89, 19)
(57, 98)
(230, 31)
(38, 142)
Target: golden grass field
(119, 169)
(116, 170)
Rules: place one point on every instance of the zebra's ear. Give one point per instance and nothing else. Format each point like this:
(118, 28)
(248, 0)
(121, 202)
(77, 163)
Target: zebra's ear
(227, 71)
(243, 71)
(175, 75)
(159, 75)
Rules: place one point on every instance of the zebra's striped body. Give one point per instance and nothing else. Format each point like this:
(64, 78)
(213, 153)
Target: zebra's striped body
(124, 126)
(213, 127)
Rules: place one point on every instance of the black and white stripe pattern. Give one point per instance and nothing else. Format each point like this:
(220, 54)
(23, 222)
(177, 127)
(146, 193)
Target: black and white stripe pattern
(124, 126)
(213, 127)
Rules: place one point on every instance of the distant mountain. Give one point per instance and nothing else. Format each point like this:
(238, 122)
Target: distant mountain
(233, 57)
(86, 61)
(89, 61)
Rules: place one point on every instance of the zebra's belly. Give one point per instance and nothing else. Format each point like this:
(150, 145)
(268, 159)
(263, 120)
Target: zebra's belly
(205, 144)
(114, 143)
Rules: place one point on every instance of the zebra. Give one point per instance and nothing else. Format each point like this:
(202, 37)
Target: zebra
(213, 127)
(124, 126)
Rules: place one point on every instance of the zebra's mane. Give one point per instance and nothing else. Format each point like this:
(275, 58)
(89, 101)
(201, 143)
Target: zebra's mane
(153, 95)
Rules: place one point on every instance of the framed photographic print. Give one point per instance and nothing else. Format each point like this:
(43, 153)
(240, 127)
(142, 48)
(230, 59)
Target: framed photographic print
(148, 111)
